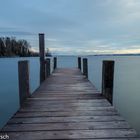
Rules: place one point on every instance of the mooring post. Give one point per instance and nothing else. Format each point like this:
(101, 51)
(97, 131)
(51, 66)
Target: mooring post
(48, 67)
(55, 63)
(107, 79)
(42, 57)
(79, 63)
(23, 78)
(85, 67)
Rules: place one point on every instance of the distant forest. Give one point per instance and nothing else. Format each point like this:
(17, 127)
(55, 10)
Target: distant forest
(11, 47)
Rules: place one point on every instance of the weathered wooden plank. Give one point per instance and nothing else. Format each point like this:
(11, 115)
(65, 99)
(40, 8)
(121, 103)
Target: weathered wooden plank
(56, 90)
(67, 126)
(32, 100)
(67, 95)
(22, 114)
(65, 104)
(62, 100)
(65, 119)
(70, 90)
(70, 97)
(66, 109)
(75, 134)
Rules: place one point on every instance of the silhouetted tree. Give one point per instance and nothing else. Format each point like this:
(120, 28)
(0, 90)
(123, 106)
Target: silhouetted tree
(12, 47)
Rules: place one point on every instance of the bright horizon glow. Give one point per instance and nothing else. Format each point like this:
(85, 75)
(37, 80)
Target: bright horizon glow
(75, 27)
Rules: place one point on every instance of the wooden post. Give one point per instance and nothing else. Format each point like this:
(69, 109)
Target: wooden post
(107, 79)
(55, 63)
(42, 57)
(48, 67)
(79, 63)
(23, 76)
(85, 67)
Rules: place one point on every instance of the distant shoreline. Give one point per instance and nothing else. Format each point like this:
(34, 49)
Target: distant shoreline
(74, 55)
(16, 56)
(116, 55)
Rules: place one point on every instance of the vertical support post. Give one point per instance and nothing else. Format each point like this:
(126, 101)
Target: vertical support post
(42, 57)
(23, 78)
(85, 67)
(48, 67)
(79, 63)
(55, 63)
(107, 79)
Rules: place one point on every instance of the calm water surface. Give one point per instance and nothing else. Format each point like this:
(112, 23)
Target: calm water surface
(9, 97)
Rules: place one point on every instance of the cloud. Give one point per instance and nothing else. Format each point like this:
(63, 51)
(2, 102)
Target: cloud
(75, 26)
(15, 33)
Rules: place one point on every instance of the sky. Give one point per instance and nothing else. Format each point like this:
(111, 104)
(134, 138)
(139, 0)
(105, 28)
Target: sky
(74, 26)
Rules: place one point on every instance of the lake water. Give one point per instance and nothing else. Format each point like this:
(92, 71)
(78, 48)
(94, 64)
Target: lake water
(9, 97)
(126, 93)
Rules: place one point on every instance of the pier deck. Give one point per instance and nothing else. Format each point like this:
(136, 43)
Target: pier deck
(68, 106)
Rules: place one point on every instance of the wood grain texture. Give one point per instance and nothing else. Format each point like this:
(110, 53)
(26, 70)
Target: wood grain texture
(67, 106)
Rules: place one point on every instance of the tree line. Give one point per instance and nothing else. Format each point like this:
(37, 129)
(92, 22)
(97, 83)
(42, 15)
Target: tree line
(10, 46)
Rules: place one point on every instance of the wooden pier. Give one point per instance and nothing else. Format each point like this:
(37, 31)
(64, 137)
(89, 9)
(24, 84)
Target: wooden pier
(67, 106)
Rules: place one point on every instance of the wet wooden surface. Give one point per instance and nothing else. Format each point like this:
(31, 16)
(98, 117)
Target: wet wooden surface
(68, 106)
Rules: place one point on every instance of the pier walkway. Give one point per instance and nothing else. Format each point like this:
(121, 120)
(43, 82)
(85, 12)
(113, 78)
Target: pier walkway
(67, 106)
